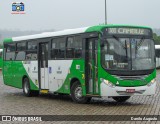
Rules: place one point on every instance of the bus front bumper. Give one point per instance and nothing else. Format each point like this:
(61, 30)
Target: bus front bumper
(123, 91)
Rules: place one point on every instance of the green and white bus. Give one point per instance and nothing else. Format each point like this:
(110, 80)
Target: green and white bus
(1, 61)
(115, 61)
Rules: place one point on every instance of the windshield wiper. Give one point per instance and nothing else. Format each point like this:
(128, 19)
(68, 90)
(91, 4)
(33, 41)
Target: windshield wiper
(123, 46)
(126, 49)
(115, 37)
(140, 43)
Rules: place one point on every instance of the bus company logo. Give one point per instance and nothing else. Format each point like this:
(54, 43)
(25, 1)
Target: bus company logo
(6, 118)
(18, 8)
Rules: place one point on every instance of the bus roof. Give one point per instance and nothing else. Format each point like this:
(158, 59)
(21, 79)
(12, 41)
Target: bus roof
(51, 34)
(97, 28)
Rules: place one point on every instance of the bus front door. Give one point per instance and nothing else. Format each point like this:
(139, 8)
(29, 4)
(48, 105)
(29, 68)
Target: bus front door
(43, 69)
(91, 66)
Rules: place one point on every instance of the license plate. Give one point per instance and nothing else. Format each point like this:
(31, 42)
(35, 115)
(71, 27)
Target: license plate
(130, 90)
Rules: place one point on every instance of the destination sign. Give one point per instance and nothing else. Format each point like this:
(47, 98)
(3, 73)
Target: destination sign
(128, 31)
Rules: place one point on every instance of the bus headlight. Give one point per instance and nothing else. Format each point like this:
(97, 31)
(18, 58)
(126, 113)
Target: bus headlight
(108, 83)
(152, 82)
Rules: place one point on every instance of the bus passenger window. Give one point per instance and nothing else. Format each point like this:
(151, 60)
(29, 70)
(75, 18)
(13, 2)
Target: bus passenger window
(70, 48)
(55, 50)
(74, 47)
(21, 51)
(10, 51)
(58, 48)
(31, 53)
(34, 56)
(62, 50)
(20, 55)
(10, 48)
(28, 56)
(21, 46)
(32, 46)
(10, 55)
(78, 47)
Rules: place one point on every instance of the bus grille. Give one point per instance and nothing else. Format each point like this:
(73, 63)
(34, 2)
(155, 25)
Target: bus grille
(141, 77)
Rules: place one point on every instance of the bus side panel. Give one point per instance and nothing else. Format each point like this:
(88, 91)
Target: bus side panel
(60, 74)
(31, 70)
(13, 72)
(76, 71)
(58, 71)
(8, 73)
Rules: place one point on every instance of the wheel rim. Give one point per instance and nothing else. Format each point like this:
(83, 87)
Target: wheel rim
(78, 92)
(26, 87)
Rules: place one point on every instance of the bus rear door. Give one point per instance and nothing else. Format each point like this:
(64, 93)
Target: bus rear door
(43, 66)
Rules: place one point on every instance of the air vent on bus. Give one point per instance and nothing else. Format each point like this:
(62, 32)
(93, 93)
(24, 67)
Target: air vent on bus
(141, 77)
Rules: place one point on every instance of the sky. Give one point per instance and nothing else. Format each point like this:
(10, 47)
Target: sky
(67, 14)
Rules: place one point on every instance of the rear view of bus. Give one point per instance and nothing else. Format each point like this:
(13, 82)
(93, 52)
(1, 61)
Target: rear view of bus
(127, 62)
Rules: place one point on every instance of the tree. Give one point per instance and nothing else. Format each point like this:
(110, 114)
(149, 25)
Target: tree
(156, 38)
(1, 46)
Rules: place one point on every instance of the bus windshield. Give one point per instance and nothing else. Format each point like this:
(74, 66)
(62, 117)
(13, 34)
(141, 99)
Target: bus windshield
(128, 54)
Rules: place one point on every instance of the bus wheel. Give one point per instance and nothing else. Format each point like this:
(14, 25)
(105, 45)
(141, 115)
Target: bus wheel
(121, 98)
(26, 88)
(76, 94)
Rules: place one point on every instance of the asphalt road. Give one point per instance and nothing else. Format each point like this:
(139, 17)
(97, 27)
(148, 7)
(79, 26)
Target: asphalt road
(13, 102)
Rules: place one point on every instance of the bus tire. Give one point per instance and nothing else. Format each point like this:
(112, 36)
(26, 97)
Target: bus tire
(121, 98)
(26, 88)
(76, 94)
